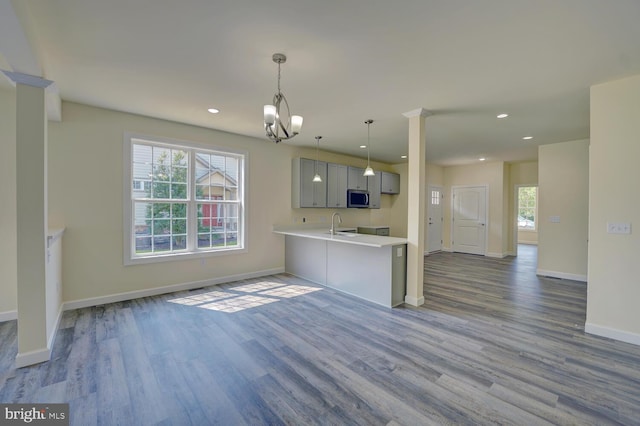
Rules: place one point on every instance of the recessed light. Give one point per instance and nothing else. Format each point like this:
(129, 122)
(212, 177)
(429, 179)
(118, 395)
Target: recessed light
(526, 138)
(503, 115)
(213, 110)
(481, 159)
(403, 156)
(363, 146)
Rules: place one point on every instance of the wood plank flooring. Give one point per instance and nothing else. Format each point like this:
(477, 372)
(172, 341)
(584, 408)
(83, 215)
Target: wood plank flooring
(493, 344)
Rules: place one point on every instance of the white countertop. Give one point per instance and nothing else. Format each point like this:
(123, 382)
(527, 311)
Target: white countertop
(347, 238)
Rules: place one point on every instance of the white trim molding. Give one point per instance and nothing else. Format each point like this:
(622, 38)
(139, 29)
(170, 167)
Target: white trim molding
(612, 333)
(561, 275)
(497, 255)
(130, 295)
(417, 112)
(40, 355)
(54, 331)
(413, 301)
(8, 316)
(33, 357)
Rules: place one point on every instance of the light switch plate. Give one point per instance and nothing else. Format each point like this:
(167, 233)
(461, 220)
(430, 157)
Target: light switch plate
(554, 219)
(618, 228)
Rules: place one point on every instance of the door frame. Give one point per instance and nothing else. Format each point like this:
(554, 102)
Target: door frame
(486, 213)
(516, 203)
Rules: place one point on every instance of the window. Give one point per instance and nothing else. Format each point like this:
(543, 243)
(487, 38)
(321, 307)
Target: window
(183, 200)
(435, 198)
(527, 207)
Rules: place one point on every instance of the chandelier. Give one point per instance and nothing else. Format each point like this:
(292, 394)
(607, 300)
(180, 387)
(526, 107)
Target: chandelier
(278, 121)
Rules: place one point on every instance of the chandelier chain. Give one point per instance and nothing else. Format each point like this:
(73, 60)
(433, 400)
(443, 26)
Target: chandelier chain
(278, 77)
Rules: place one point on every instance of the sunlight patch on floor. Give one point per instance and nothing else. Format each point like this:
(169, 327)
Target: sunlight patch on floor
(247, 296)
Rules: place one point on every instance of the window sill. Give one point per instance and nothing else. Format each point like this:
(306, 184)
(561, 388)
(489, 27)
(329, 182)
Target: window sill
(159, 258)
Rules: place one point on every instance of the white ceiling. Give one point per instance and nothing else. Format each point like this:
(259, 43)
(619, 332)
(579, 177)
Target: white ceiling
(348, 61)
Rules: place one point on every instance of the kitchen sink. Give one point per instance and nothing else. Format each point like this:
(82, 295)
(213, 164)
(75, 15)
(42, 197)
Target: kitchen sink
(347, 234)
(344, 234)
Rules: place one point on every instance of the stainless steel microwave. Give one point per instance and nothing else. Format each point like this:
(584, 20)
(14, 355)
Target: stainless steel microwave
(357, 198)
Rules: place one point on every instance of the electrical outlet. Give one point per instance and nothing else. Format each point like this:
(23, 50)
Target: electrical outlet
(618, 228)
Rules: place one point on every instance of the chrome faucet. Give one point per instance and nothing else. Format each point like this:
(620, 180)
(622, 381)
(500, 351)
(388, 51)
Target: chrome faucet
(333, 227)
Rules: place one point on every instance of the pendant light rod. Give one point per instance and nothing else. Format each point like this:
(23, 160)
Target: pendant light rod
(317, 177)
(368, 171)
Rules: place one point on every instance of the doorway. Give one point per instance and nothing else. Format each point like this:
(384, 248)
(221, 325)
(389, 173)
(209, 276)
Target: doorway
(434, 218)
(469, 219)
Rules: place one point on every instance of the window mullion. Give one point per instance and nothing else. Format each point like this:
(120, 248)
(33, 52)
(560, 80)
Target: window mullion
(192, 211)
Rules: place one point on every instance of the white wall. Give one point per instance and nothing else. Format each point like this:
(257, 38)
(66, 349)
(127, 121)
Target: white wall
(563, 184)
(85, 197)
(614, 260)
(8, 238)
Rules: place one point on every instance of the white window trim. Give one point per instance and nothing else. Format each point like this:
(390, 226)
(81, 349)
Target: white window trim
(127, 202)
(526, 230)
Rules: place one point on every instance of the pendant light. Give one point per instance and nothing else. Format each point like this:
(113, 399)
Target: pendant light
(317, 177)
(368, 171)
(278, 123)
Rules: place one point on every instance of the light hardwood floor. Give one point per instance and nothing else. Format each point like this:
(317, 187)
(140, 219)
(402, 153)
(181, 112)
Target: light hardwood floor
(493, 344)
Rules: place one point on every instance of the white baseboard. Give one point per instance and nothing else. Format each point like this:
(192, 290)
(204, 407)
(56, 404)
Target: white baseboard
(33, 357)
(496, 255)
(120, 297)
(8, 316)
(40, 355)
(413, 301)
(562, 275)
(612, 333)
(447, 249)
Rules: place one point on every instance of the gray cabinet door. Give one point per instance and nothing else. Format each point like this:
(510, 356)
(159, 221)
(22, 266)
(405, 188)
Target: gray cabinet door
(356, 179)
(390, 183)
(337, 176)
(373, 186)
(305, 192)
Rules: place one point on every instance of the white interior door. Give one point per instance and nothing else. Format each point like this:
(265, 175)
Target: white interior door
(469, 219)
(434, 218)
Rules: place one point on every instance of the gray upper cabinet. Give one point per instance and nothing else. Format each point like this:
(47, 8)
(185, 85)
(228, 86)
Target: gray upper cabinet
(390, 183)
(356, 179)
(305, 192)
(337, 176)
(373, 186)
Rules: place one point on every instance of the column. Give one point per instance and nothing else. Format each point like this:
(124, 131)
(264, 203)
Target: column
(416, 206)
(31, 205)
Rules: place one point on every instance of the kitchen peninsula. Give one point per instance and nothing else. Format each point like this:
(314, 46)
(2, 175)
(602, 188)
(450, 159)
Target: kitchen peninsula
(371, 267)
